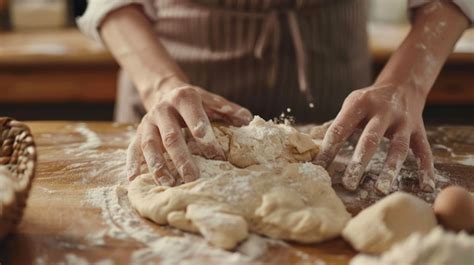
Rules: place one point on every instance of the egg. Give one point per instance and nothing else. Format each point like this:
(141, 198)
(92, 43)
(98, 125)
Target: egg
(454, 208)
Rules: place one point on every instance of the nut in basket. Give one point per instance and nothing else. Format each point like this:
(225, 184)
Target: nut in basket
(17, 169)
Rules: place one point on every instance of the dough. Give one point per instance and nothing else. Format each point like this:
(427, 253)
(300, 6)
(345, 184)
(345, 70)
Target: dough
(267, 187)
(438, 247)
(389, 221)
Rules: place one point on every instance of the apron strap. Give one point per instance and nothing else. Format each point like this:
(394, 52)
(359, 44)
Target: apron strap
(271, 32)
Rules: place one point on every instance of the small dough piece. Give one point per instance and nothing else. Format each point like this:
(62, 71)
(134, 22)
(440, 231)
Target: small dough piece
(389, 221)
(219, 228)
(266, 187)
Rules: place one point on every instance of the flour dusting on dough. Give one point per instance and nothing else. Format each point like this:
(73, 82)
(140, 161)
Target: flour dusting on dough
(268, 186)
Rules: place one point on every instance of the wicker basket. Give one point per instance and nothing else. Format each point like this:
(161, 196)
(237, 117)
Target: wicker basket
(17, 169)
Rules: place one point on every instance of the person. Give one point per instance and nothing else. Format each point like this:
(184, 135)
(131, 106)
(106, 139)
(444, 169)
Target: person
(190, 60)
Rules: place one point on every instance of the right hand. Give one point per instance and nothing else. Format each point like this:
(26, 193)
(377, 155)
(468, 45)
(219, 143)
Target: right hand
(160, 132)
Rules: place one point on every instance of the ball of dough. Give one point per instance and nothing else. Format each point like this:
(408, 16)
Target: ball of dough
(389, 221)
(454, 208)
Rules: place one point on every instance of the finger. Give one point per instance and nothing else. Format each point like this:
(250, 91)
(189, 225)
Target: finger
(227, 110)
(397, 153)
(421, 149)
(134, 158)
(174, 143)
(153, 153)
(191, 110)
(338, 132)
(365, 149)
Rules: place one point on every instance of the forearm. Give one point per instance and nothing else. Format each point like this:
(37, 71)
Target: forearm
(417, 62)
(130, 38)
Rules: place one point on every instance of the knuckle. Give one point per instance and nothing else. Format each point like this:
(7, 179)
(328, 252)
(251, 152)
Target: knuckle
(371, 139)
(200, 129)
(184, 166)
(183, 93)
(400, 145)
(335, 134)
(147, 142)
(356, 97)
(159, 166)
(171, 139)
(180, 161)
(146, 118)
(159, 108)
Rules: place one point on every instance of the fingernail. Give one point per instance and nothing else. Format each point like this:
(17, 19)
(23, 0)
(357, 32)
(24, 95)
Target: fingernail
(352, 176)
(189, 172)
(383, 185)
(385, 182)
(131, 174)
(165, 180)
(244, 114)
(427, 184)
(163, 176)
(220, 156)
(189, 178)
(212, 151)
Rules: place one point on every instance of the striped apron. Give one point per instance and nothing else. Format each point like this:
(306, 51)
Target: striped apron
(267, 55)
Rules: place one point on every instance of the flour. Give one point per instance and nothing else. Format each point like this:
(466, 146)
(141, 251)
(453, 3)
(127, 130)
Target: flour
(92, 140)
(225, 109)
(71, 259)
(119, 223)
(467, 160)
(306, 169)
(173, 247)
(220, 169)
(185, 250)
(259, 135)
(438, 247)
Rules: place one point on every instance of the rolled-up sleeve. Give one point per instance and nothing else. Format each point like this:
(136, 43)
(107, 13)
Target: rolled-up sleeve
(97, 10)
(466, 6)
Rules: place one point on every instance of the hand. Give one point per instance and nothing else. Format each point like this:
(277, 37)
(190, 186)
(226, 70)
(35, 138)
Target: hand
(381, 110)
(160, 132)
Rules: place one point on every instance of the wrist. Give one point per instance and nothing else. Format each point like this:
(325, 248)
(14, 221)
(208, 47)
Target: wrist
(408, 85)
(405, 93)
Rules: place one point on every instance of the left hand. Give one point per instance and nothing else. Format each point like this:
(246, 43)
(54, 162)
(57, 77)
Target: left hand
(381, 110)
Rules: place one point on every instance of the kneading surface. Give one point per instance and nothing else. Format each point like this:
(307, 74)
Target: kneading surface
(268, 187)
(389, 221)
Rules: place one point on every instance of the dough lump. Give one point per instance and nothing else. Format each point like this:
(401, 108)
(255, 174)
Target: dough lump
(389, 221)
(267, 187)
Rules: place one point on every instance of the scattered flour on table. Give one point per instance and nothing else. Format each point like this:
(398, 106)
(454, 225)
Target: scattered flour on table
(468, 161)
(73, 259)
(92, 140)
(438, 247)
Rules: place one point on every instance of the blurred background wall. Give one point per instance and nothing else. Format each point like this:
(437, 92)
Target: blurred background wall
(50, 71)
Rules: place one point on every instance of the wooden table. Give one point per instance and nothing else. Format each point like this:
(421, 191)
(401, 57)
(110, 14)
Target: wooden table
(72, 213)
